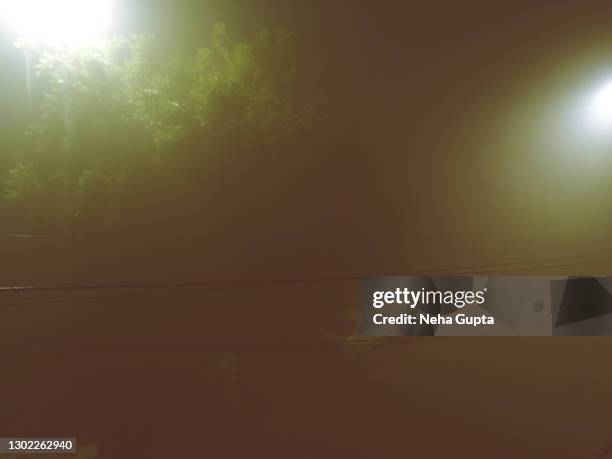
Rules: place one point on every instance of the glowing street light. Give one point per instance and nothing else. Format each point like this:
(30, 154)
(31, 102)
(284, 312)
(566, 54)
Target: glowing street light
(65, 25)
(602, 104)
(58, 23)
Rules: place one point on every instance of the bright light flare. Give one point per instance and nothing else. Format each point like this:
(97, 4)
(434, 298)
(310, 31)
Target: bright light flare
(58, 23)
(602, 105)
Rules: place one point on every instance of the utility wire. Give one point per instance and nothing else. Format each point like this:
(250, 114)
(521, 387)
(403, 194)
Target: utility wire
(198, 347)
(472, 270)
(171, 291)
(176, 285)
(233, 347)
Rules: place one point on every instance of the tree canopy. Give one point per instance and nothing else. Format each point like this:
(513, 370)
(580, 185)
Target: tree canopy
(121, 135)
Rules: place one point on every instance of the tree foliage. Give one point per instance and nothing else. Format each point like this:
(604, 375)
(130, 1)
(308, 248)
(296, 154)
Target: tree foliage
(120, 130)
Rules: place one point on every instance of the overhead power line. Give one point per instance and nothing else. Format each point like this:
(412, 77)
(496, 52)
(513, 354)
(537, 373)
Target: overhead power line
(172, 289)
(562, 262)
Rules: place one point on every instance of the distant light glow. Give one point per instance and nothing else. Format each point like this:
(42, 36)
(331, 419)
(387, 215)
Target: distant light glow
(58, 23)
(602, 104)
